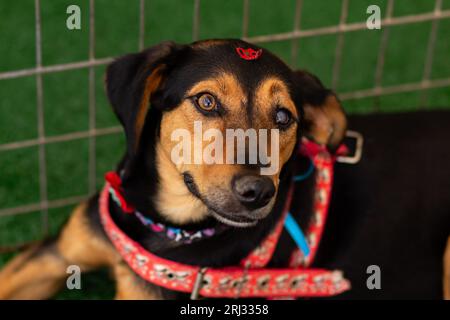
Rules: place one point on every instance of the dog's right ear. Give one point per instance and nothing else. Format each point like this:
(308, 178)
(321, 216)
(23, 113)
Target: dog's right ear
(324, 118)
(132, 80)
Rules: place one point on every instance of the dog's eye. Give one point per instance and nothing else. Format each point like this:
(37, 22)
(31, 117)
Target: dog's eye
(283, 117)
(206, 102)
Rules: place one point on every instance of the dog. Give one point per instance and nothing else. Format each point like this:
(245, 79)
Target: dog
(391, 210)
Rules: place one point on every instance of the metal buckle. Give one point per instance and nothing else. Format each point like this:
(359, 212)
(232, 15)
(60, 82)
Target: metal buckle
(198, 283)
(353, 159)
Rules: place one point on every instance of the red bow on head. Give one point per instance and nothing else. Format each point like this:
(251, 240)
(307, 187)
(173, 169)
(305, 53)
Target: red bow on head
(249, 54)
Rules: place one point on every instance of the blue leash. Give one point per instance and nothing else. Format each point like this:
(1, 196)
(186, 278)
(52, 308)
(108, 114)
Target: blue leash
(291, 225)
(296, 233)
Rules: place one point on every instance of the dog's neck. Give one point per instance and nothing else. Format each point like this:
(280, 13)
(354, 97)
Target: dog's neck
(226, 247)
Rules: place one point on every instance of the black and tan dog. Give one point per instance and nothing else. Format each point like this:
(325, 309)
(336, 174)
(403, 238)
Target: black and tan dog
(391, 210)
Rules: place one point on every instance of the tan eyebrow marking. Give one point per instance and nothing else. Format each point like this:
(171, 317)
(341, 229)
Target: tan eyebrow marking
(274, 90)
(225, 84)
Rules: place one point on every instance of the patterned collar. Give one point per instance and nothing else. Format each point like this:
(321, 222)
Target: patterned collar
(171, 233)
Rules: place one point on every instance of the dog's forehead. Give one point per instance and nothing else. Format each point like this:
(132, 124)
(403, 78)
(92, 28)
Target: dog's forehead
(249, 64)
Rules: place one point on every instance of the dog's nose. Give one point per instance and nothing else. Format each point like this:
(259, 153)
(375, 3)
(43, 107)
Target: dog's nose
(253, 191)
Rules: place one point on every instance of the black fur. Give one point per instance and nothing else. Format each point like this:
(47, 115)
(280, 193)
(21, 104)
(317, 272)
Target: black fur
(393, 208)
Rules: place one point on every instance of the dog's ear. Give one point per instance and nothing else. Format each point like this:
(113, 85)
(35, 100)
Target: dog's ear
(132, 80)
(324, 118)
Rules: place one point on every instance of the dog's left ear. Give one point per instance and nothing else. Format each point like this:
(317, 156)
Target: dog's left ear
(324, 118)
(131, 82)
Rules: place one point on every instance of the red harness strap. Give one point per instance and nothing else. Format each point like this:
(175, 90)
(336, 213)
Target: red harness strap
(324, 164)
(250, 279)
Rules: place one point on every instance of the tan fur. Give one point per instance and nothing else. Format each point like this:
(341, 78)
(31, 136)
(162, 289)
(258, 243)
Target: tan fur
(174, 200)
(270, 93)
(446, 279)
(88, 251)
(205, 44)
(327, 123)
(28, 277)
(151, 85)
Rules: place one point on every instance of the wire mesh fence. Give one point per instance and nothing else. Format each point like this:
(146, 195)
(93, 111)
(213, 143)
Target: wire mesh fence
(295, 36)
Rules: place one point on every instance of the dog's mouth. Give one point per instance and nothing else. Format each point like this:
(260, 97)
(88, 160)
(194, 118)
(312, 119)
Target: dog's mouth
(241, 222)
(233, 221)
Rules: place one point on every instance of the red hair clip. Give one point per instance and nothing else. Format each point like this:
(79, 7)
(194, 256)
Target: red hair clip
(249, 53)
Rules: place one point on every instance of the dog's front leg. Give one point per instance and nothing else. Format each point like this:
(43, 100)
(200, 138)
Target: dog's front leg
(37, 273)
(40, 271)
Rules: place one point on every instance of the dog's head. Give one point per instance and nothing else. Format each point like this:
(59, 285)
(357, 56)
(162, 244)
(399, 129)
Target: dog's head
(194, 101)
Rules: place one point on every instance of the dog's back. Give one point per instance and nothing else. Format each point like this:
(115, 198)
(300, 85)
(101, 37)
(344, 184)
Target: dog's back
(392, 209)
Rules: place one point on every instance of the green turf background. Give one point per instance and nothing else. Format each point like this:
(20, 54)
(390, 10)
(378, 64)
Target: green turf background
(117, 24)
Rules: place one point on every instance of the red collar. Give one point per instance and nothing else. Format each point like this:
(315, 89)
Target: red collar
(250, 279)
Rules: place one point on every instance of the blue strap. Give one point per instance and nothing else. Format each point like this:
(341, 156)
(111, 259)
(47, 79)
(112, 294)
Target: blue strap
(296, 233)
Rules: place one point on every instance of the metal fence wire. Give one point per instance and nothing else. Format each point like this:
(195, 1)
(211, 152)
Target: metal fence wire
(297, 33)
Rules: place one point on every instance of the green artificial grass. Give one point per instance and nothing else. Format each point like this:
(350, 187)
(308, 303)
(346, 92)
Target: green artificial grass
(66, 94)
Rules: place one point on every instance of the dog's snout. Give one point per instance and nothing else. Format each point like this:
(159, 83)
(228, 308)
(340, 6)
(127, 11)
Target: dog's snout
(253, 191)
